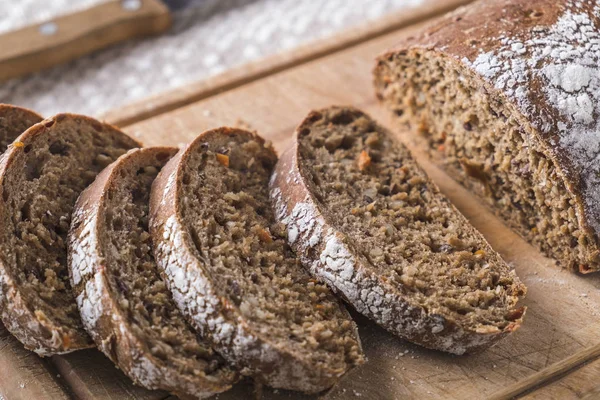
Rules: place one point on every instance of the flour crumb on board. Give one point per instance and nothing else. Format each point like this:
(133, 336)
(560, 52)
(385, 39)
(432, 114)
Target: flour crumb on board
(357, 394)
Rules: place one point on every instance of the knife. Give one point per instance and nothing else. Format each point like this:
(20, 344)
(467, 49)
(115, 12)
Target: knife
(65, 38)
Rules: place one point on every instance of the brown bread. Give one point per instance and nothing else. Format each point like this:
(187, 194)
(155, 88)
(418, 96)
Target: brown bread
(41, 176)
(14, 121)
(124, 303)
(233, 275)
(505, 95)
(366, 219)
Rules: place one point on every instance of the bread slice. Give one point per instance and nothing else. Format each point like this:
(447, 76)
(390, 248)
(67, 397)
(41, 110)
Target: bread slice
(124, 303)
(232, 274)
(504, 95)
(41, 175)
(14, 121)
(366, 219)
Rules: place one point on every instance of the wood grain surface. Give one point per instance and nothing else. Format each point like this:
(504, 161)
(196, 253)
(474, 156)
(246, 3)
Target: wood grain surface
(555, 352)
(581, 383)
(24, 375)
(253, 71)
(90, 375)
(41, 46)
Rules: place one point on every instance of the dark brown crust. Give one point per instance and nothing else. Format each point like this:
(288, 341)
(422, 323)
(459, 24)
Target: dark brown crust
(463, 35)
(296, 206)
(224, 324)
(38, 332)
(112, 331)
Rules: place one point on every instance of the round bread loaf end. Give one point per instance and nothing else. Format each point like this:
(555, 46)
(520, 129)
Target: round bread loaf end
(505, 94)
(14, 121)
(233, 275)
(366, 219)
(124, 303)
(41, 175)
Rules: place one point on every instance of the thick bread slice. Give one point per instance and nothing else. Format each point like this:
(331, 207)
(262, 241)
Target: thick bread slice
(232, 274)
(124, 303)
(18, 365)
(366, 220)
(505, 95)
(14, 121)
(41, 175)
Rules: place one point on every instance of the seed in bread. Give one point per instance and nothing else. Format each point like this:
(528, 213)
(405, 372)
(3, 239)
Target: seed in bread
(14, 121)
(41, 176)
(226, 260)
(382, 236)
(505, 96)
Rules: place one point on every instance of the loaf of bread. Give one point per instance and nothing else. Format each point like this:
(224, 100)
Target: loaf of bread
(505, 94)
(41, 176)
(14, 121)
(124, 303)
(366, 219)
(231, 272)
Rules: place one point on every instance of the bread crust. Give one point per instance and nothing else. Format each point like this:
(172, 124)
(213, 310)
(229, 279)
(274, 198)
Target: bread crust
(330, 255)
(197, 297)
(103, 318)
(37, 331)
(490, 41)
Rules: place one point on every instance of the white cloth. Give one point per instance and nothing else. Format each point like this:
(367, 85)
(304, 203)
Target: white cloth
(207, 38)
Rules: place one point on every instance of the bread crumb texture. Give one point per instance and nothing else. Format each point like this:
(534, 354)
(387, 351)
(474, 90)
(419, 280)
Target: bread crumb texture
(40, 183)
(14, 121)
(384, 237)
(264, 312)
(507, 96)
(123, 300)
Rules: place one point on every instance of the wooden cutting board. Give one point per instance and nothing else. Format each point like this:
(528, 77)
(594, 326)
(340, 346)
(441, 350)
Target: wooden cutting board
(554, 355)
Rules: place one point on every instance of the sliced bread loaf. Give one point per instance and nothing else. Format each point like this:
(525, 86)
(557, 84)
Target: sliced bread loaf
(232, 273)
(41, 176)
(505, 95)
(366, 219)
(124, 303)
(14, 121)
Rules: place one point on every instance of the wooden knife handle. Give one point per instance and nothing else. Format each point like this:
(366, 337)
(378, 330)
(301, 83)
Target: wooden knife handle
(68, 37)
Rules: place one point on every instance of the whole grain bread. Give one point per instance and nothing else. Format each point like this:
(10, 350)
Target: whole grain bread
(505, 94)
(232, 273)
(124, 303)
(41, 176)
(14, 121)
(366, 219)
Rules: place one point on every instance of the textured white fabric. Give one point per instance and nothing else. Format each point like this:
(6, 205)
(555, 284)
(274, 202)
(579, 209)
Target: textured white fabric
(210, 37)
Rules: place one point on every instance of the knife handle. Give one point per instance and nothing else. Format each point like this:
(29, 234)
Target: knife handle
(65, 38)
